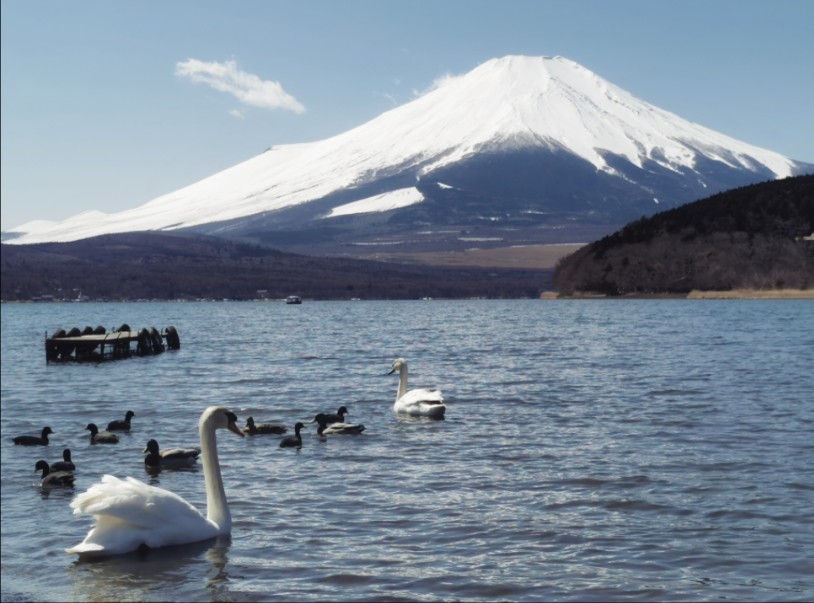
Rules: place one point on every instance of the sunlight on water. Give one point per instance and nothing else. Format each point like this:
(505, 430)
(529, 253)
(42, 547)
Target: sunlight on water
(592, 450)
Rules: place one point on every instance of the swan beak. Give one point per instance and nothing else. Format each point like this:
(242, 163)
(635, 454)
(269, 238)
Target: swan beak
(235, 429)
(391, 371)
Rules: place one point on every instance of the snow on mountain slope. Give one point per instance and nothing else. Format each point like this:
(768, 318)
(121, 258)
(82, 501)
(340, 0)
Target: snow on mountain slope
(505, 103)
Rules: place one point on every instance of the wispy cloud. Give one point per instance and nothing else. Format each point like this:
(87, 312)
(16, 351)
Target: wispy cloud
(438, 83)
(390, 97)
(248, 88)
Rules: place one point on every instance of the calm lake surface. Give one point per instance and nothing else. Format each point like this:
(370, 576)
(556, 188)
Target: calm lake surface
(592, 451)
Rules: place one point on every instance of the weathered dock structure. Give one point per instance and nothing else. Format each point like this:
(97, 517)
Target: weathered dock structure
(96, 345)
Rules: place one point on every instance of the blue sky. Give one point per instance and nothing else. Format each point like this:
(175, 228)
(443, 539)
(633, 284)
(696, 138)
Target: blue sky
(107, 104)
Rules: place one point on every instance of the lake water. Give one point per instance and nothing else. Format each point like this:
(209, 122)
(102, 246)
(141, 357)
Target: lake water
(592, 451)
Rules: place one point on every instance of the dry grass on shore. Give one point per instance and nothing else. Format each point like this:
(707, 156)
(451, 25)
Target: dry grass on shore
(526, 257)
(753, 294)
(732, 294)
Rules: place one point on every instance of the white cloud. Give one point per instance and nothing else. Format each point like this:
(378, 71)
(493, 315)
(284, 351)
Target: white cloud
(390, 97)
(245, 87)
(438, 83)
(236, 113)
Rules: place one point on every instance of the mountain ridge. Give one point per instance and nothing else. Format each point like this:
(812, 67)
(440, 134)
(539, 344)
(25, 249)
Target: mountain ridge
(560, 146)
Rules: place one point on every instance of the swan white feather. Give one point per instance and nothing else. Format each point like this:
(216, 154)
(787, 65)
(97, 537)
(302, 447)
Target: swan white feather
(417, 402)
(131, 514)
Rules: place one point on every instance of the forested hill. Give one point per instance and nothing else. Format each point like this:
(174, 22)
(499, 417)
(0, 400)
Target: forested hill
(754, 237)
(151, 265)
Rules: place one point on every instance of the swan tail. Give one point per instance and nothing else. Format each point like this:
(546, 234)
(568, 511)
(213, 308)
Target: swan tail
(84, 548)
(421, 402)
(110, 536)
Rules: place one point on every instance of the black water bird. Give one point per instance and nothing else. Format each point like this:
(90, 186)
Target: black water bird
(339, 428)
(294, 441)
(66, 464)
(169, 457)
(56, 478)
(253, 428)
(101, 437)
(121, 424)
(29, 440)
(329, 418)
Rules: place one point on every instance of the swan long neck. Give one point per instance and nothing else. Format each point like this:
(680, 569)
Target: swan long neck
(402, 381)
(217, 509)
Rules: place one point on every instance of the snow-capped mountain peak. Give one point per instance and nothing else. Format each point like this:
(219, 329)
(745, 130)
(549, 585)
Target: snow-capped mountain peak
(508, 104)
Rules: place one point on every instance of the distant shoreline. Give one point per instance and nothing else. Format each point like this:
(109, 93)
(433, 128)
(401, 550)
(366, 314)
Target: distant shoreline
(753, 294)
(731, 294)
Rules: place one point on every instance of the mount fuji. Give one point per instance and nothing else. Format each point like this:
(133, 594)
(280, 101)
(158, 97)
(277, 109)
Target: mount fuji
(520, 150)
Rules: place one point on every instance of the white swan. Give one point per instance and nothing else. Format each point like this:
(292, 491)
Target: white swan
(131, 515)
(417, 402)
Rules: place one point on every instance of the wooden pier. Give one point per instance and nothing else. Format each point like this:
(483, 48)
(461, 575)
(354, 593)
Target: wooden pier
(96, 345)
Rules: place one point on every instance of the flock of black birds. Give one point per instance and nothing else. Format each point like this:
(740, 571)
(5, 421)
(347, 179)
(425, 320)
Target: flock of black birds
(61, 473)
(329, 424)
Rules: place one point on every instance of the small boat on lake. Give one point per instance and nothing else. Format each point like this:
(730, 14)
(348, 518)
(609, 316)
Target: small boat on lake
(293, 299)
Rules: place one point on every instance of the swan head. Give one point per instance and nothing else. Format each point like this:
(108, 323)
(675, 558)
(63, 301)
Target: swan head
(66, 455)
(397, 364)
(42, 466)
(129, 415)
(152, 447)
(92, 429)
(343, 410)
(217, 417)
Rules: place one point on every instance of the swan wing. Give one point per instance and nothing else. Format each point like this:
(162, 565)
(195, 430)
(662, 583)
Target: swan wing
(421, 402)
(130, 514)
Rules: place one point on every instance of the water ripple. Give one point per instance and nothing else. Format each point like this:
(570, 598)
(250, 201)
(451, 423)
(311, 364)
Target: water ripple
(639, 450)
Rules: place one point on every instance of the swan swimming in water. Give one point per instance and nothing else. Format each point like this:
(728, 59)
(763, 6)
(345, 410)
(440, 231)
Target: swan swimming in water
(132, 515)
(416, 402)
